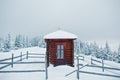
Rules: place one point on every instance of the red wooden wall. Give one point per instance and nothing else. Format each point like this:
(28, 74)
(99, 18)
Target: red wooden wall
(52, 50)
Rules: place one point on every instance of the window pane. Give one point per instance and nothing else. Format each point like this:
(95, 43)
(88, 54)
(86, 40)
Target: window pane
(58, 54)
(58, 46)
(62, 54)
(62, 47)
(60, 51)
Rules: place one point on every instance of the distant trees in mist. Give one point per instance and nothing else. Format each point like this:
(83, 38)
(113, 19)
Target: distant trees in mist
(96, 51)
(20, 41)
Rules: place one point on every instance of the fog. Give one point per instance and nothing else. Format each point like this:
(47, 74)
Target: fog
(88, 19)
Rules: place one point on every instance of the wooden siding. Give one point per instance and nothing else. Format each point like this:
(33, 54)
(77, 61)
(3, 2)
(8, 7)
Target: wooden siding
(68, 51)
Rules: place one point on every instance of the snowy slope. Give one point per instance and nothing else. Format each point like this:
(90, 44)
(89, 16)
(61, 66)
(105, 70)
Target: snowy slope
(59, 72)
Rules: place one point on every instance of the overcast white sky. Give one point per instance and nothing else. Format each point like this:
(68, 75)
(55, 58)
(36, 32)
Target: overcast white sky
(89, 19)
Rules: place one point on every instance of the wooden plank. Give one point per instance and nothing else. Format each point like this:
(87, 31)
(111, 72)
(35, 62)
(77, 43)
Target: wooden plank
(5, 59)
(4, 66)
(11, 58)
(22, 71)
(35, 57)
(22, 62)
(35, 54)
(104, 67)
(96, 60)
(100, 74)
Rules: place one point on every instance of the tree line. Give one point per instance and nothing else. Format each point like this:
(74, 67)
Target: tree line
(20, 41)
(98, 52)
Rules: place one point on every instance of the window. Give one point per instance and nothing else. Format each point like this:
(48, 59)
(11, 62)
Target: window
(60, 52)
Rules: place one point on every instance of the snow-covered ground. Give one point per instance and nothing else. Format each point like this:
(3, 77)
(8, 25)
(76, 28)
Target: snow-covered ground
(59, 72)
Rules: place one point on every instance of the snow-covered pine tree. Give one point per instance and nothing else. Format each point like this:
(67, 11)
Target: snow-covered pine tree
(1, 44)
(23, 42)
(102, 53)
(18, 43)
(95, 50)
(81, 47)
(86, 49)
(41, 42)
(78, 50)
(7, 43)
(34, 41)
(107, 52)
(6, 46)
(92, 50)
(118, 50)
(118, 55)
(114, 54)
(27, 42)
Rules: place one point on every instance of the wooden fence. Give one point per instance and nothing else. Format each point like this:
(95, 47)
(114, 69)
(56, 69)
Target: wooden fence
(79, 57)
(98, 61)
(93, 60)
(12, 60)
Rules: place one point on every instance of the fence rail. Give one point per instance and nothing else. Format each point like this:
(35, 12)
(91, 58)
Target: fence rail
(5, 59)
(102, 62)
(21, 62)
(96, 60)
(21, 71)
(36, 57)
(35, 54)
(79, 57)
(21, 57)
(12, 60)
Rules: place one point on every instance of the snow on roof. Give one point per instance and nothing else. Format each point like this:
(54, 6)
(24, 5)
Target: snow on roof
(60, 34)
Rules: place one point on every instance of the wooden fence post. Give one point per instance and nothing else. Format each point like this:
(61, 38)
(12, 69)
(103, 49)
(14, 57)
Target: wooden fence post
(21, 56)
(12, 60)
(91, 60)
(102, 64)
(78, 67)
(46, 71)
(27, 55)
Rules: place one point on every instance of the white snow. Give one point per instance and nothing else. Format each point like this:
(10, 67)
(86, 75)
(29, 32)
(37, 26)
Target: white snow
(60, 34)
(56, 73)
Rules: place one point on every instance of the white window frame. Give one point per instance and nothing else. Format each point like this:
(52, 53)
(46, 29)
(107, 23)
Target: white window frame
(60, 51)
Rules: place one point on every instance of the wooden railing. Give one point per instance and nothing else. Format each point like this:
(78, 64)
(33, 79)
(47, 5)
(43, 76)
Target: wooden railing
(101, 61)
(12, 60)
